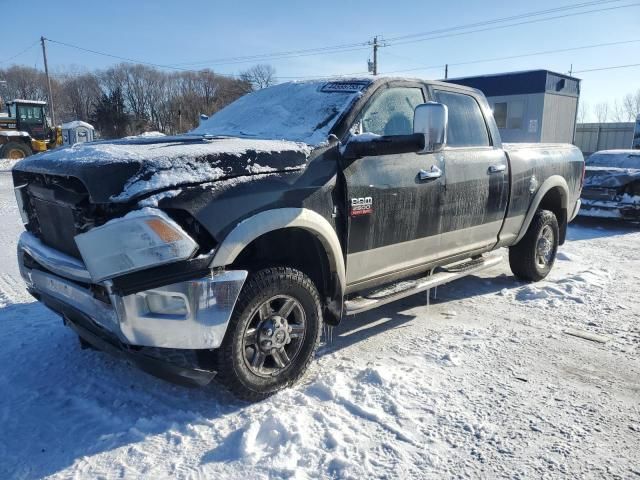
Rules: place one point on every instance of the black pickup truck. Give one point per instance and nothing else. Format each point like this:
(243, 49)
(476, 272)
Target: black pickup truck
(221, 252)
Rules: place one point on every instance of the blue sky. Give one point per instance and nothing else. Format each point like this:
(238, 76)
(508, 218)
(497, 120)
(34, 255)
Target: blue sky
(171, 32)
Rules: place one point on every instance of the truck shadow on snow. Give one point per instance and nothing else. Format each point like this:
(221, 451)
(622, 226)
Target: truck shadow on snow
(61, 404)
(587, 228)
(398, 314)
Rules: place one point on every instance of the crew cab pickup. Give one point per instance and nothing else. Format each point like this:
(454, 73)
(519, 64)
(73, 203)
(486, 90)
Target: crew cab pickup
(221, 252)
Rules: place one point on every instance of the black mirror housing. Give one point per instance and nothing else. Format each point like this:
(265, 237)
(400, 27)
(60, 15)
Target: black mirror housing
(365, 145)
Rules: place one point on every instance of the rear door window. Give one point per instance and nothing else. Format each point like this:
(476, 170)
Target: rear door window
(466, 122)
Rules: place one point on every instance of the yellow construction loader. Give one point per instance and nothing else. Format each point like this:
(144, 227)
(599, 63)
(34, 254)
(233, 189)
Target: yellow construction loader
(25, 130)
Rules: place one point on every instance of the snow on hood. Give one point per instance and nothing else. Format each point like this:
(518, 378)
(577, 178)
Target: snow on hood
(612, 168)
(297, 111)
(122, 170)
(610, 177)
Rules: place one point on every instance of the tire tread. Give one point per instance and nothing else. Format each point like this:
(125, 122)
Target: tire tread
(257, 283)
(522, 256)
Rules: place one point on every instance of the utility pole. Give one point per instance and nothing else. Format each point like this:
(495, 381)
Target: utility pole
(571, 69)
(446, 71)
(375, 55)
(46, 72)
(2, 82)
(373, 66)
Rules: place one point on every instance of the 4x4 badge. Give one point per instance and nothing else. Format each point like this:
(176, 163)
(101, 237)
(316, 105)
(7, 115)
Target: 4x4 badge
(361, 206)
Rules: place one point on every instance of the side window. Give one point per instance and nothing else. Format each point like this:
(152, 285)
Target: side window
(516, 112)
(391, 111)
(500, 114)
(466, 122)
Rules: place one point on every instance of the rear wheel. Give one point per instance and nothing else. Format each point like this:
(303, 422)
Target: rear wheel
(272, 335)
(15, 150)
(533, 257)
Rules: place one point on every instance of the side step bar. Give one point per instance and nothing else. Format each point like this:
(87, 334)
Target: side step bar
(406, 288)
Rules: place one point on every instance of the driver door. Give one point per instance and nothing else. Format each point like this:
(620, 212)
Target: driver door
(394, 215)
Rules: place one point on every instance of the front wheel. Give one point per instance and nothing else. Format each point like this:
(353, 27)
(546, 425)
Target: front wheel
(15, 150)
(533, 257)
(272, 335)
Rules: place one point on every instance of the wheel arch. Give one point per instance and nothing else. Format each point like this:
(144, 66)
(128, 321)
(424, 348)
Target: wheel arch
(552, 195)
(313, 236)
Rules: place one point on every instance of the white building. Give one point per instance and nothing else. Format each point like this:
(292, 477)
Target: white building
(530, 106)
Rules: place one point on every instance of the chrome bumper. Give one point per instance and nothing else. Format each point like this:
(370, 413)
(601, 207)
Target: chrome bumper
(201, 321)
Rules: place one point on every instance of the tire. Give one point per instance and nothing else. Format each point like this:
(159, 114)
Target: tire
(261, 327)
(15, 150)
(533, 257)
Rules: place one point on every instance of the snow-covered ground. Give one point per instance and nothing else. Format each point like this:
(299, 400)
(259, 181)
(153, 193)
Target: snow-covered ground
(483, 382)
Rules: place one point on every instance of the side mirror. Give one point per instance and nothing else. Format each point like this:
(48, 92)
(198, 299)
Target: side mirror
(430, 119)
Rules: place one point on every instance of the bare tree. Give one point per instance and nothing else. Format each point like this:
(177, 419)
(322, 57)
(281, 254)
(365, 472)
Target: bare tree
(631, 105)
(260, 76)
(79, 95)
(601, 111)
(131, 99)
(583, 112)
(618, 113)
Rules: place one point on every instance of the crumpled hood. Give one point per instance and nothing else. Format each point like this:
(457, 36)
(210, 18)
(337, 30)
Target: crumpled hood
(610, 177)
(122, 170)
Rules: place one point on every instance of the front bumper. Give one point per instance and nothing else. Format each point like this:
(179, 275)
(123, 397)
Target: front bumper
(610, 209)
(201, 321)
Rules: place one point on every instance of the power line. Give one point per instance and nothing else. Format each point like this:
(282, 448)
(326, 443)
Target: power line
(125, 59)
(498, 27)
(20, 52)
(505, 19)
(365, 45)
(349, 47)
(249, 58)
(608, 68)
(511, 57)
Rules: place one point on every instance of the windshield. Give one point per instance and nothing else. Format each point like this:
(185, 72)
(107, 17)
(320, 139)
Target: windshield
(30, 114)
(615, 159)
(297, 111)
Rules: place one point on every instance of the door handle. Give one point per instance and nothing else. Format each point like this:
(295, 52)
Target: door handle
(497, 168)
(433, 172)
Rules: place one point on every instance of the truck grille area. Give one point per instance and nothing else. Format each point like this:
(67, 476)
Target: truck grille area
(58, 208)
(57, 226)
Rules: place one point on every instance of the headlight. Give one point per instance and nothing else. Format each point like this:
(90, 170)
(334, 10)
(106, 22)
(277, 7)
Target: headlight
(144, 238)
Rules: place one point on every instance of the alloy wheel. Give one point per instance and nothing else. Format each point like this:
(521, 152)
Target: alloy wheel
(274, 335)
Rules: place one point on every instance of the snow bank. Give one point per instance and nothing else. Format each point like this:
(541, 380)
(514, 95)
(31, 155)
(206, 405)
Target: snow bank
(482, 383)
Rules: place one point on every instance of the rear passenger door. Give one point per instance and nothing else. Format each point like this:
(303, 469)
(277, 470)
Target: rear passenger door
(476, 177)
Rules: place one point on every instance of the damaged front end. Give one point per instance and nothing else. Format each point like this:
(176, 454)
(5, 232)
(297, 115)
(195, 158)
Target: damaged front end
(138, 285)
(612, 186)
(623, 204)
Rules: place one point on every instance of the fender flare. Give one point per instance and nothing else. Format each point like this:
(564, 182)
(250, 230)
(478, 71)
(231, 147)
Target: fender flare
(551, 182)
(267, 221)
